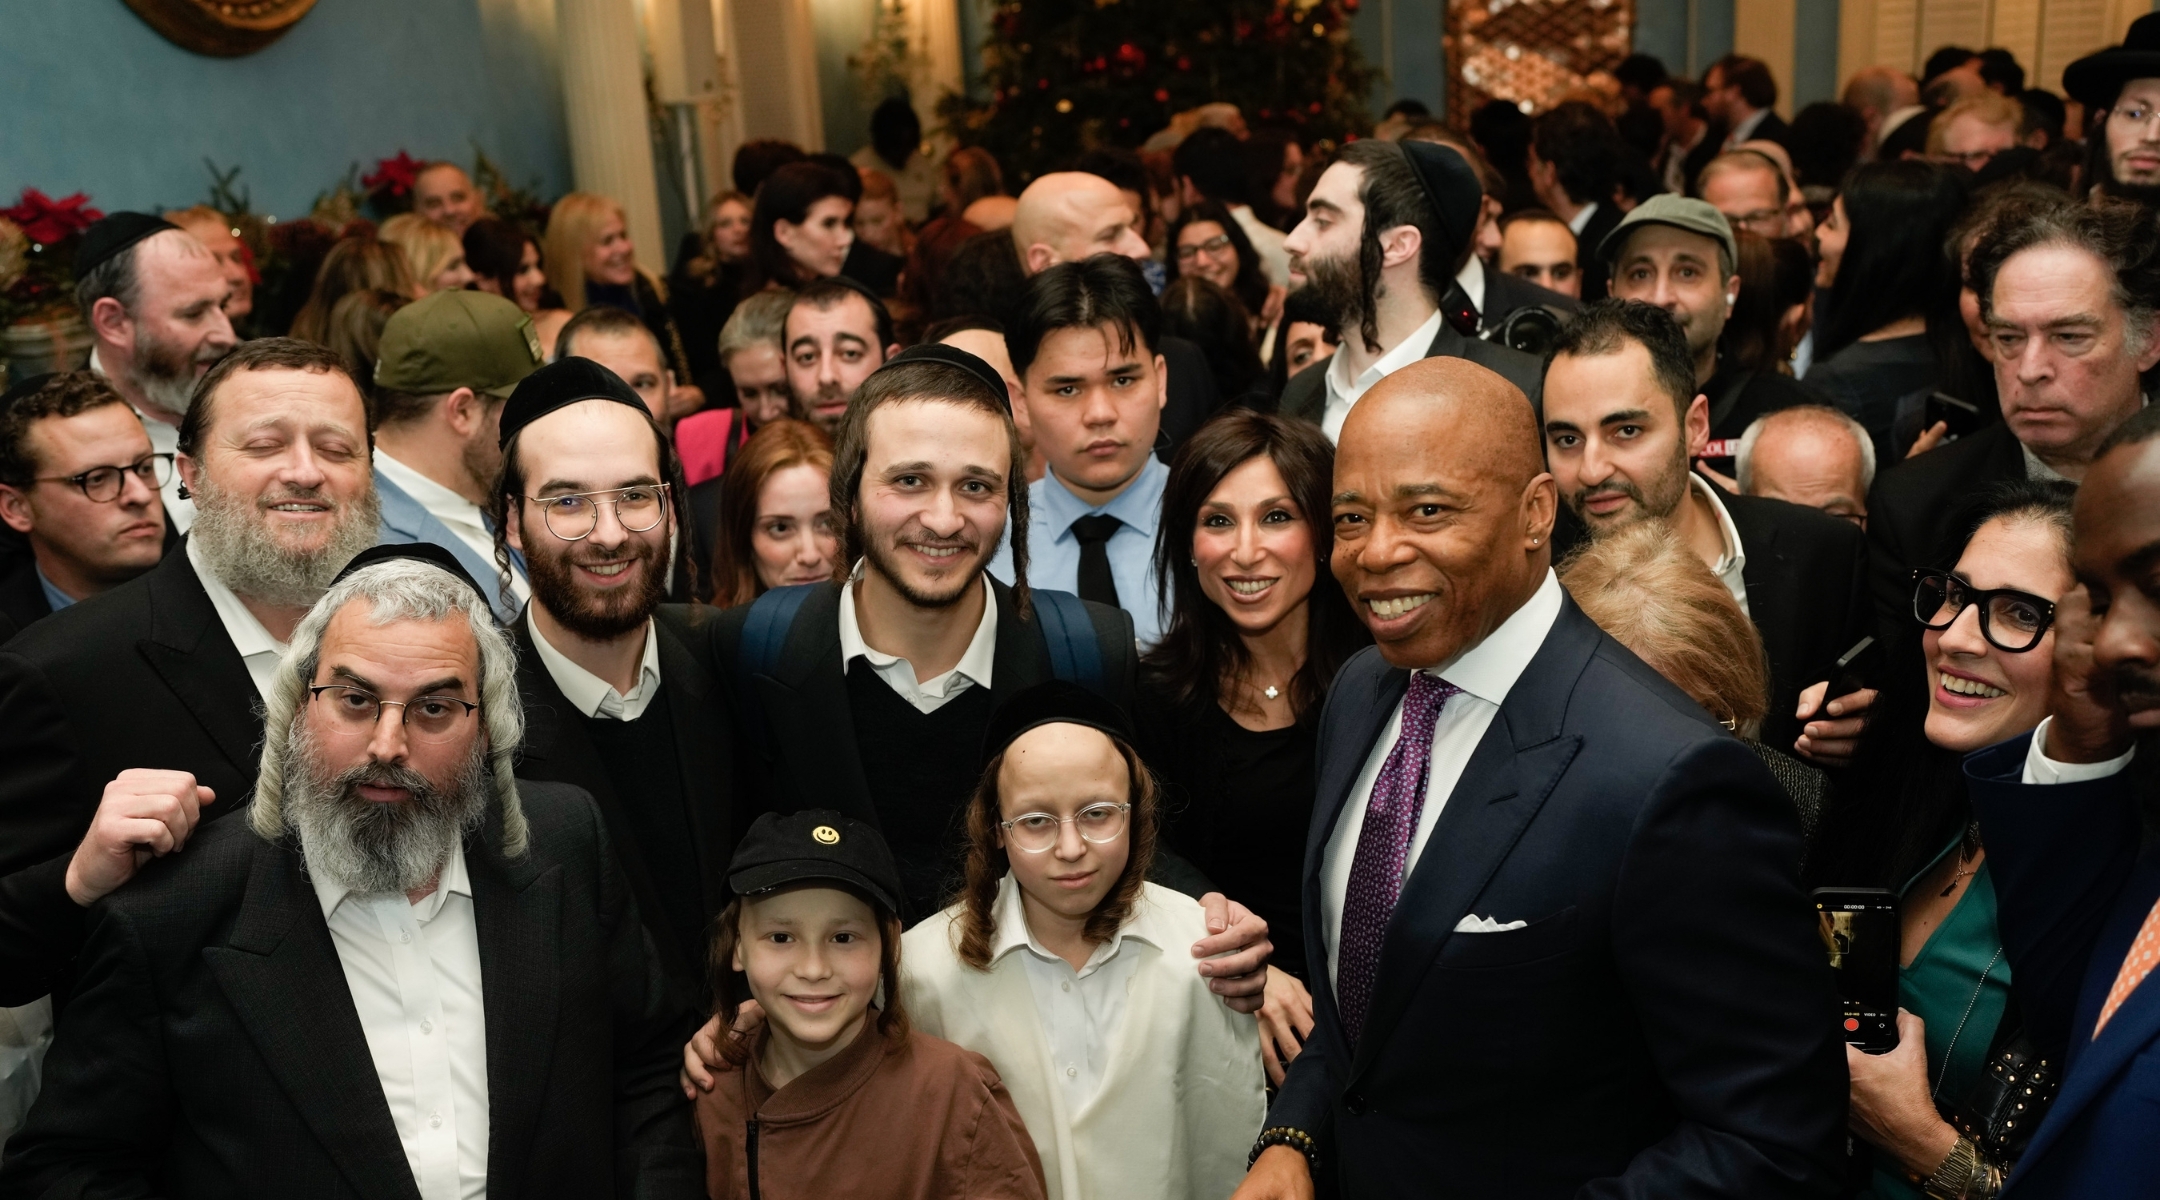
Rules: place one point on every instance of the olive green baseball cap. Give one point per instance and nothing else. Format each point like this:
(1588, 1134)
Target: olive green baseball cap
(1680, 212)
(453, 340)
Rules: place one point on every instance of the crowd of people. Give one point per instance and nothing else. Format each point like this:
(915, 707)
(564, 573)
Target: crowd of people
(523, 724)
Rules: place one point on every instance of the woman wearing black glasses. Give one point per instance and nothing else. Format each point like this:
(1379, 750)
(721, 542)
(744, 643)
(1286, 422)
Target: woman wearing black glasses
(1901, 820)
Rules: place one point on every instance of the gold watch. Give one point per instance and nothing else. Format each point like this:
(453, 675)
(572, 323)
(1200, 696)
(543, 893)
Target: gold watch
(1964, 1175)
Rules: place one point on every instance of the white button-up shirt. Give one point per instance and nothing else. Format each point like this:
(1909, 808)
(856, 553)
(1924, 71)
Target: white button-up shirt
(1581, 220)
(414, 974)
(1731, 566)
(1343, 391)
(1485, 673)
(1080, 1010)
(927, 695)
(591, 695)
(460, 516)
(258, 649)
(2039, 768)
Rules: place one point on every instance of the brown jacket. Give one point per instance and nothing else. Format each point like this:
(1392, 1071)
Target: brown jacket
(921, 1120)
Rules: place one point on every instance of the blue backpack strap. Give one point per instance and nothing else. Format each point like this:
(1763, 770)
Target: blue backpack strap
(1075, 655)
(764, 636)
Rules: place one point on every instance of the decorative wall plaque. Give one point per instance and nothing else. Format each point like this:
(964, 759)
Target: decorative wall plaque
(221, 28)
(1531, 53)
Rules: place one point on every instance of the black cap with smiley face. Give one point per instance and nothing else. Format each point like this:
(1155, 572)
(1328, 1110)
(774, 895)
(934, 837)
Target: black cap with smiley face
(780, 849)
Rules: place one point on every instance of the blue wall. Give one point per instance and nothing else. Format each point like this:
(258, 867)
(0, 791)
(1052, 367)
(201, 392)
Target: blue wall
(98, 102)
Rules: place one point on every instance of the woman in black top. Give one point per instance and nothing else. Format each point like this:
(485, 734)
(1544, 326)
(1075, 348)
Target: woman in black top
(1230, 698)
(1890, 328)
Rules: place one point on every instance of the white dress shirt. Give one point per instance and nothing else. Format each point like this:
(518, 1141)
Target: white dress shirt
(1080, 1011)
(591, 695)
(164, 439)
(1581, 220)
(1731, 566)
(461, 516)
(1343, 391)
(1746, 128)
(1472, 279)
(258, 650)
(1485, 673)
(2039, 768)
(927, 695)
(414, 974)
(1267, 241)
(1180, 1095)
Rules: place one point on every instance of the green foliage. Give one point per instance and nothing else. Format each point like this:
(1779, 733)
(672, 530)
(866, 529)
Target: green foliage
(1068, 75)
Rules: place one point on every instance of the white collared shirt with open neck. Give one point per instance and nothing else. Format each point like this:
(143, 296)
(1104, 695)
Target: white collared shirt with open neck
(414, 974)
(927, 695)
(259, 651)
(1731, 566)
(1343, 391)
(591, 695)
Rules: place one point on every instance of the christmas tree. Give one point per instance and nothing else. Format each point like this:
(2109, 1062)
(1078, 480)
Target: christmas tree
(1067, 75)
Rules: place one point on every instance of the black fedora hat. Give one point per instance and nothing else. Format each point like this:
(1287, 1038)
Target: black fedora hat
(2096, 79)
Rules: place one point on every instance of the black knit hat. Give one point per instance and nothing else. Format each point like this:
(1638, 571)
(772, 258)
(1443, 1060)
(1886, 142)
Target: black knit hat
(1456, 195)
(956, 357)
(112, 234)
(427, 552)
(560, 384)
(1053, 702)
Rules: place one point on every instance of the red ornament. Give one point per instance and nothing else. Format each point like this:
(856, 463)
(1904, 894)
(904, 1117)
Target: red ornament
(1162, 95)
(45, 220)
(1184, 63)
(1315, 106)
(397, 175)
(1042, 85)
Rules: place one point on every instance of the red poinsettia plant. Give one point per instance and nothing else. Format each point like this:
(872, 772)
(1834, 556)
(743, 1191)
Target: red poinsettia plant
(38, 235)
(390, 185)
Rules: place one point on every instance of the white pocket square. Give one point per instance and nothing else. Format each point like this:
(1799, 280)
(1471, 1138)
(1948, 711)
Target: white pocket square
(1486, 925)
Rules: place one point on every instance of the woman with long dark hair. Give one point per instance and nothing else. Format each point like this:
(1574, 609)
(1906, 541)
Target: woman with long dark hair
(1230, 697)
(1892, 319)
(1900, 818)
(799, 229)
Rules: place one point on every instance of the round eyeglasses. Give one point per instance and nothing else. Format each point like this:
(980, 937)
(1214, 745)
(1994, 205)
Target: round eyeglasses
(1214, 245)
(1097, 823)
(103, 485)
(2012, 621)
(356, 711)
(574, 515)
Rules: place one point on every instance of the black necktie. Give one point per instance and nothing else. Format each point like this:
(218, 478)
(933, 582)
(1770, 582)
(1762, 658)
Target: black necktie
(1095, 581)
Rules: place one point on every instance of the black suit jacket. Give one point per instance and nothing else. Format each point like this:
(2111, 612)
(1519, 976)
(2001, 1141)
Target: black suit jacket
(22, 597)
(141, 676)
(1660, 1027)
(557, 747)
(1193, 395)
(1917, 509)
(40, 929)
(2075, 876)
(1589, 259)
(800, 750)
(1305, 396)
(213, 1048)
(1772, 128)
(1807, 589)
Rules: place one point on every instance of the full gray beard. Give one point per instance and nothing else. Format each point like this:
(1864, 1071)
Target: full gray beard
(164, 374)
(374, 849)
(240, 550)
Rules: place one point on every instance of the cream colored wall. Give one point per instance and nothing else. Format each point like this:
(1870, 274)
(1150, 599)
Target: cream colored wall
(1764, 29)
(2046, 35)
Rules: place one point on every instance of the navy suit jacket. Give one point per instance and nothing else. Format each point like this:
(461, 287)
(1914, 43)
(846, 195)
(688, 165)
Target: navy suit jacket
(2074, 878)
(1662, 1026)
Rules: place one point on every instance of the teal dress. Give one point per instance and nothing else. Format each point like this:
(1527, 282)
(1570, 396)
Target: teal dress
(1959, 984)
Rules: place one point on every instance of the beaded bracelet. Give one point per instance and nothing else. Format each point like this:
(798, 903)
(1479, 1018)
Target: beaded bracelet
(1283, 1135)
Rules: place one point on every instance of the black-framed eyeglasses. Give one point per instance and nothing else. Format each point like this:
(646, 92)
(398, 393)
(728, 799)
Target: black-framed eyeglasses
(103, 485)
(574, 515)
(1214, 245)
(2012, 621)
(355, 710)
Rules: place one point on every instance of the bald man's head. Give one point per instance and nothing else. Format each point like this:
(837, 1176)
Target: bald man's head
(1067, 216)
(1443, 509)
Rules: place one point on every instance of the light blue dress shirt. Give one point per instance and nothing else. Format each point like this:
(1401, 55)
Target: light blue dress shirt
(1054, 553)
(54, 597)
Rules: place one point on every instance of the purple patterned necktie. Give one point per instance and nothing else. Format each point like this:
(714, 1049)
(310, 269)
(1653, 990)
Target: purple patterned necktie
(1376, 873)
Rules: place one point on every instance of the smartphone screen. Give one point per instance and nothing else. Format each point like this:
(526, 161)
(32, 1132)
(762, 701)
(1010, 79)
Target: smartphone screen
(1859, 928)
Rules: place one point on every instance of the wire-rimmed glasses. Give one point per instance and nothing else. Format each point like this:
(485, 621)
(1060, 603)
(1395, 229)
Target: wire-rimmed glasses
(572, 516)
(1037, 832)
(355, 711)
